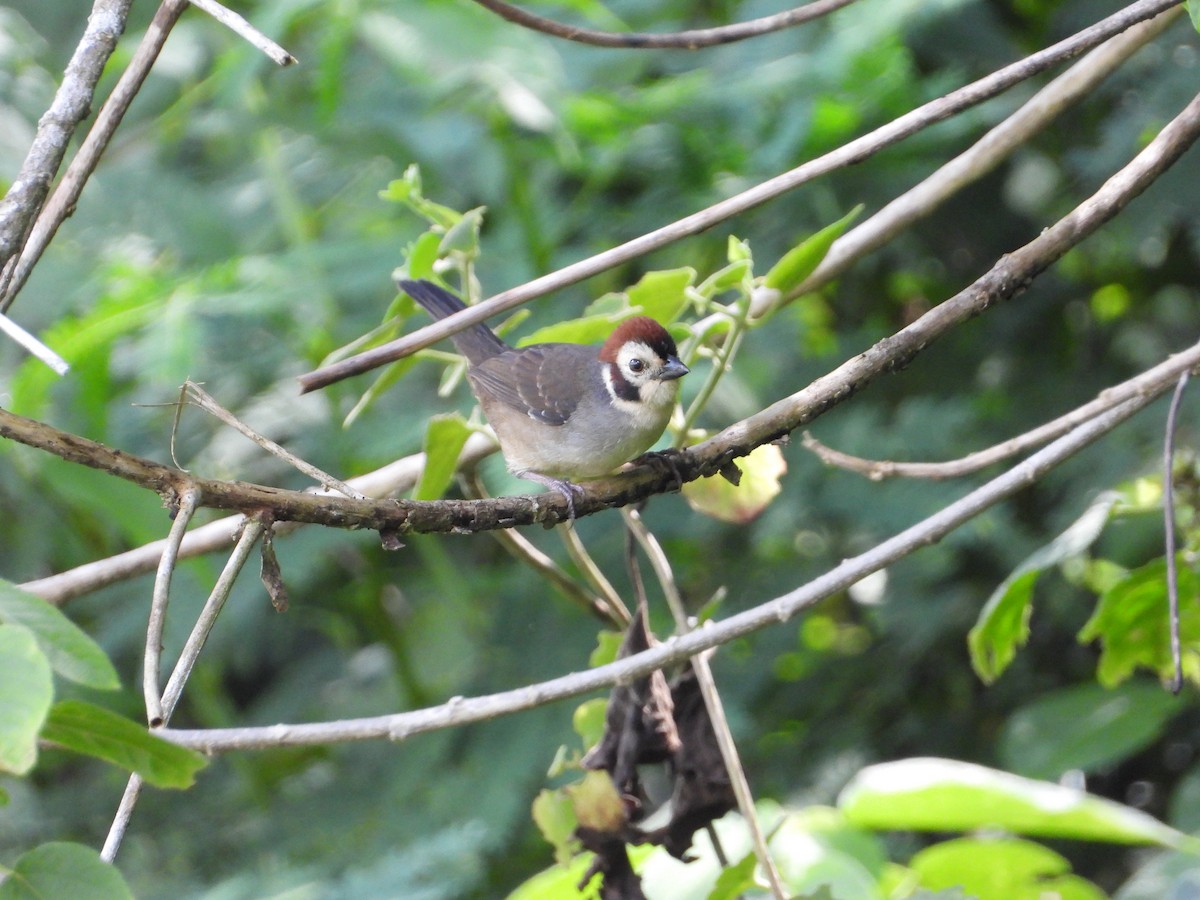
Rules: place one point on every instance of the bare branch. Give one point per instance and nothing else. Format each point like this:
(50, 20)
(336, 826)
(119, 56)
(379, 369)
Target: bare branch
(245, 30)
(679, 40)
(1168, 371)
(1169, 526)
(71, 105)
(853, 152)
(62, 202)
(461, 711)
(32, 345)
(987, 153)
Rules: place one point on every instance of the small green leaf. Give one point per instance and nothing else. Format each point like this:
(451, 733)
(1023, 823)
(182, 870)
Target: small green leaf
(463, 237)
(71, 652)
(735, 880)
(26, 691)
(737, 250)
(999, 869)
(588, 720)
(608, 645)
(1106, 727)
(63, 870)
(423, 254)
(554, 815)
(584, 330)
(95, 731)
(1131, 623)
(947, 795)
(662, 295)
(803, 259)
(444, 439)
(1003, 624)
(1193, 9)
(407, 190)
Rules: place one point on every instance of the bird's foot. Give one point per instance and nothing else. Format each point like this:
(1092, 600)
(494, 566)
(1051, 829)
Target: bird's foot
(569, 489)
(663, 462)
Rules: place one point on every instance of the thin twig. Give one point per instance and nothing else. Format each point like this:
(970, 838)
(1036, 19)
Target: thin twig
(848, 154)
(877, 470)
(245, 30)
(461, 711)
(617, 610)
(522, 549)
(63, 200)
(712, 699)
(179, 675)
(158, 607)
(32, 345)
(1169, 525)
(679, 40)
(205, 401)
(982, 157)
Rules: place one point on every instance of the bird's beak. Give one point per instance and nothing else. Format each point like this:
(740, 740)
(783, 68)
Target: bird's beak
(672, 369)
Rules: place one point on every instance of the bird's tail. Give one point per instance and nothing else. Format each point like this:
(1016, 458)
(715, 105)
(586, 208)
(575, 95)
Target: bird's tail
(475, 342)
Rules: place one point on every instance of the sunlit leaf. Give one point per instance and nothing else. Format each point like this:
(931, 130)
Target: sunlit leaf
(26, 690)
(662, 295)
(927, 794)
(803, 259)
(71, 652)
(1001, 869)
(86, 728)
(762, 470)
(588, 720)
(63, 870)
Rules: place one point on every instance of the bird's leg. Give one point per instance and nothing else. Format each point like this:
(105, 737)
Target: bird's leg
(568, 489)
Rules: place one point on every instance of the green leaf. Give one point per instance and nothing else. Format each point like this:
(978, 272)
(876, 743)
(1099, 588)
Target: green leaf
(389, 376)
(1003, 624)
(26, 691)
(1106, 727)
(1193, 9)
(407, 190)
(63, 870)
(736, 879)
(927, 794)
(588, 720)
(662, 295)
(1131, 622)
(444, 439)
(423, 253)
(1001, 869)
(584, 330)
(554, 815)
(71, 652)
(98, 732)
(802, 260)
(463, 237)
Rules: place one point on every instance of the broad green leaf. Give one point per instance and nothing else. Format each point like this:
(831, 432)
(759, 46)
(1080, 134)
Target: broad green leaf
(423, 254)
(1003, 624)
(71, 652)
(1132, 624)
(803, 259)
(1106, 727)
(584, 330)
(444, 439)
(26, 691)
(927, 794)
(62, 870)
(95, 731)
(662, 295)
(463, 237)
(1001, 869)
(714, 496)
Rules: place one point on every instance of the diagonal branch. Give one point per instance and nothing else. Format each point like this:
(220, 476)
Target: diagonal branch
(848, 154)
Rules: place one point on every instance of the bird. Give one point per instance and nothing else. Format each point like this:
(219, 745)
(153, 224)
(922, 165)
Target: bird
(562, 412)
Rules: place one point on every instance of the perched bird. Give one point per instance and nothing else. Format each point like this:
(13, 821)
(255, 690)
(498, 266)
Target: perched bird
(565, 412)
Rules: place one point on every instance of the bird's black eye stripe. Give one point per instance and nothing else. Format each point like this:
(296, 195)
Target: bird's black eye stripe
(636, 365)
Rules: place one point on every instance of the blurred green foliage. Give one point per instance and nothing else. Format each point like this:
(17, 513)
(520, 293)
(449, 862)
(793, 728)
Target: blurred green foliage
(235, 234)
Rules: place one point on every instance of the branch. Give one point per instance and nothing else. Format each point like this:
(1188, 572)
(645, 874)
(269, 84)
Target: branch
(854, 152)
(985, 155)
(679, 40)
(71, 105)
(877, 470)
(460, 711)
(246, 31)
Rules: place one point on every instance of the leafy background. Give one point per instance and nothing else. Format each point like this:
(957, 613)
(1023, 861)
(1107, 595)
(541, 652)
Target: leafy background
(235, 235)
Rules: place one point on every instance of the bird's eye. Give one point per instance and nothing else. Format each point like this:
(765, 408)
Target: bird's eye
(636, 365)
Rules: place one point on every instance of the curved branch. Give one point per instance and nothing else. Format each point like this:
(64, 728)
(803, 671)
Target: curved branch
(679, 40)
(853, 152)
(460, 711)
